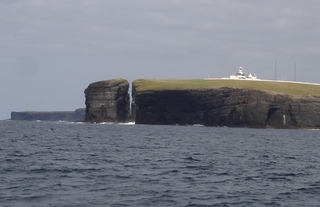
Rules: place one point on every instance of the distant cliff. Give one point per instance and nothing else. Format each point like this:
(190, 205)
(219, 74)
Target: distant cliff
(108, 101)
(77, 115)
(225, 106)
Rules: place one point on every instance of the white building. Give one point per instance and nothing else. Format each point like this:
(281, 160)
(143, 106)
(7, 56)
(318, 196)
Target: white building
(241, 75)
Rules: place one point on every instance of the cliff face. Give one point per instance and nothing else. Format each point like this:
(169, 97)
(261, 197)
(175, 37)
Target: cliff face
(77, 115)
(107, 101)
(225, 107)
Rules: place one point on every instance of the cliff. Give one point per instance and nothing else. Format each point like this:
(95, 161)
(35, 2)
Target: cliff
(276, 105)
(107, 101)
(77, 115)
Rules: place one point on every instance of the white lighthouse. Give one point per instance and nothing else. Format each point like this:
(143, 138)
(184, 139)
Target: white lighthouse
(240, 71)
(241, 75)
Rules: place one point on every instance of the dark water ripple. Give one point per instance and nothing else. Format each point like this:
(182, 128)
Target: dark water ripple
(68, 164)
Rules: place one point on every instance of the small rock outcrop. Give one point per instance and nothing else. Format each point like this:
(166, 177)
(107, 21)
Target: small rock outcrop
(107, 101)
(224, 106)
(77, 115)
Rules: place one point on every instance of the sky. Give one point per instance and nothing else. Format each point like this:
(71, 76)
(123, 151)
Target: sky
(50, 51)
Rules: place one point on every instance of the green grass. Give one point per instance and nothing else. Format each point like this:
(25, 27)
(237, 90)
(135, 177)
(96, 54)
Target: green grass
(272, 86)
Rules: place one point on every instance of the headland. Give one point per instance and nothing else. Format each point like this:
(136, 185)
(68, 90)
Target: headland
(227, 102)
(71, 116)
(233, 102)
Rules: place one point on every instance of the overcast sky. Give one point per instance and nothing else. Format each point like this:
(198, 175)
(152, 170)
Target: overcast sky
(50, 51)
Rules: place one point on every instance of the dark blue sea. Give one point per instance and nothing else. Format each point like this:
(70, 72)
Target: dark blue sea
(76, 164)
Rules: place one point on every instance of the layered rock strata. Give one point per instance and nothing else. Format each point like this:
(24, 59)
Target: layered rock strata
(77, 115)
(107, 101)
(225, 106)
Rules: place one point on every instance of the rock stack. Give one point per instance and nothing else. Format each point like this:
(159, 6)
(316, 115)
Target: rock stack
(108, 101)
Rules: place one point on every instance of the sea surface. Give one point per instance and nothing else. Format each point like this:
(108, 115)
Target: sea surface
(76, 164)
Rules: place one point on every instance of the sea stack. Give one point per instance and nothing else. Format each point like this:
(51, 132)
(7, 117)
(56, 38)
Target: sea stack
(108, 101)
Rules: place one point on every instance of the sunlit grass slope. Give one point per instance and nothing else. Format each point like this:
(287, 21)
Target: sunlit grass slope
(272, 86)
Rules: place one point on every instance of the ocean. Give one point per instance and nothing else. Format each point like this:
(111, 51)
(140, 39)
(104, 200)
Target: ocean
(75, 164)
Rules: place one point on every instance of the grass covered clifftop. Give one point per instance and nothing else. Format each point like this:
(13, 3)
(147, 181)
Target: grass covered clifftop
(290, 88)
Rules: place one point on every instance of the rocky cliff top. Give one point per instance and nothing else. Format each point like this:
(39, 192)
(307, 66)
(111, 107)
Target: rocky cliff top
(109, 83)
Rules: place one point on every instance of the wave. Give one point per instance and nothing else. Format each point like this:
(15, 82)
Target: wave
(128, 123)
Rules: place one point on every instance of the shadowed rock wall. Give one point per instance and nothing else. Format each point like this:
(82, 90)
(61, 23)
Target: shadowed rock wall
(108, 101)
(225, 107)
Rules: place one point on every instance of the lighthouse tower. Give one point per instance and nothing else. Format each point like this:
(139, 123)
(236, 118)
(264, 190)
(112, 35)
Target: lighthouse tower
(240, 71)
(239, 74)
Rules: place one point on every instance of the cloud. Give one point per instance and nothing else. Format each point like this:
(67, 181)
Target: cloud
(87, 40)
(27, 66)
